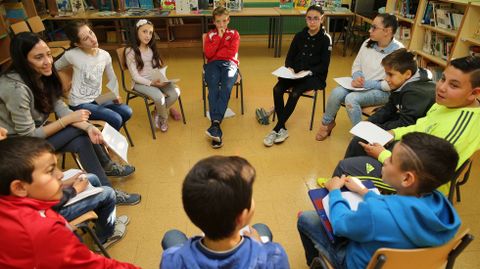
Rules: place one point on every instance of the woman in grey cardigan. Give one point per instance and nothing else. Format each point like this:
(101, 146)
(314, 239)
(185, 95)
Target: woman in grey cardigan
(31, 90)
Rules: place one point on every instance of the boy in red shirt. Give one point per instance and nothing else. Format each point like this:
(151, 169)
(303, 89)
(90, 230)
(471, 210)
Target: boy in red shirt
(33, 235)
(221, 71)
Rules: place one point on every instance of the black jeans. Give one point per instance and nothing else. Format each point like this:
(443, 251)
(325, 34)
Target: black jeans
(92, 157)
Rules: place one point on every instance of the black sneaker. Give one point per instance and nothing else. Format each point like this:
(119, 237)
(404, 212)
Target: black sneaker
(216, 144)
(214, 132)
(123, 198)
(117, 170)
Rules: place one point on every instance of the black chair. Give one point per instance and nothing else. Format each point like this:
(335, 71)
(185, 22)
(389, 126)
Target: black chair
(238, 84)
(456, 182)
(132, 93)
(314, 105)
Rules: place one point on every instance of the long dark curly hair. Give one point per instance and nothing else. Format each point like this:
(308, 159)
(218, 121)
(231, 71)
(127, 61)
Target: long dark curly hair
(156, 60)
(50, 88)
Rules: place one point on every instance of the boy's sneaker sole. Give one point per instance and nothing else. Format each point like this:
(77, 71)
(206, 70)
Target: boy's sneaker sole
(217, 145)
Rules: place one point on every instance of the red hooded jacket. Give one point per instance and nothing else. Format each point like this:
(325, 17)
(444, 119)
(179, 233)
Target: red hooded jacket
(224, 48)
(35, 236)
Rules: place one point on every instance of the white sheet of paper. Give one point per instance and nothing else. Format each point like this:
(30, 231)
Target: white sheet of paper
(284, 72)
(161, 74)
(113, 85)
(346, 82)
(352, 198)
(102, 99)
(115, 141)
(371, 132)
(228, 114)
(89, 191)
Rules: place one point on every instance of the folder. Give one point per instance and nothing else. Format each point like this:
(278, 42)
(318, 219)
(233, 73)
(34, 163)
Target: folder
(317, 196)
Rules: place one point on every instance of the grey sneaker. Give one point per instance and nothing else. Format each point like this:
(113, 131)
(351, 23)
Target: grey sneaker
(270, 138)
(118, 233)
(281, 136)
(117, 170)
(123, 219)
(124, 198)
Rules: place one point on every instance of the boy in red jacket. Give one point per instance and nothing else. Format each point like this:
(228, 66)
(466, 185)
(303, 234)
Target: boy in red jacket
(33, 235)
(221, 71)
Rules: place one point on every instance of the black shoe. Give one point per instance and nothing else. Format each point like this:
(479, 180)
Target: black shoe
(214, 132)
(216, 144)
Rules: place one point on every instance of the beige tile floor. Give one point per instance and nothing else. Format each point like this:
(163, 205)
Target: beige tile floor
(280, 189)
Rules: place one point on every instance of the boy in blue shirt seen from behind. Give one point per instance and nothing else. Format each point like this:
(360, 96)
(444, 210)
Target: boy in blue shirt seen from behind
(417, 216)
(217, 197)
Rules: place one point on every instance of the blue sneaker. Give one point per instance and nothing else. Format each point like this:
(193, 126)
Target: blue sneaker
(217, 145)
(214, 132)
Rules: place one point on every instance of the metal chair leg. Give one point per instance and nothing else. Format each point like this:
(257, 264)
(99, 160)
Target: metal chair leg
(323, 90)
(86, 229)
(204, 90)
(241, 95)
(152, 127)
(181, 109)
(313, 109)
(128, 135)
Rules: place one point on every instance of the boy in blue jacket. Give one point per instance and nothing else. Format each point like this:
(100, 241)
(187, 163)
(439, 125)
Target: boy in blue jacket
(217, 197)
(417, 216)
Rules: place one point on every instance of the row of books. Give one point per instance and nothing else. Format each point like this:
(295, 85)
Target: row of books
(404, 32)
(443, 15)
(437, 44)
(406, 8)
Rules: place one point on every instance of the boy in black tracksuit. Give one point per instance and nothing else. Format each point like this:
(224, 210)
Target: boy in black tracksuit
(413, 93)
(309, 51)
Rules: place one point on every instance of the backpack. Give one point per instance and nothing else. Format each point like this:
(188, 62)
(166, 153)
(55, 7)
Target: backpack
(262, 116)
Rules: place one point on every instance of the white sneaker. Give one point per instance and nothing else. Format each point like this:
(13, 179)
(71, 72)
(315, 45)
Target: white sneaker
(282, 135)
(118, 233)
(123, 219)
(270, 138)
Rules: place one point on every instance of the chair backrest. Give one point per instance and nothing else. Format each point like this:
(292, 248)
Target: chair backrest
(121, 58)
(19, 27)
(435, 257)
(36, 24)
(89, 216)
(463, 170)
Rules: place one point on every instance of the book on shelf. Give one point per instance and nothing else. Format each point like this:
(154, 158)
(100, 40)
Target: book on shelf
(77, 6)
(437, 44)
(302, 5)
(14, 12)
(168, 4)
(233, 5)
(286, 4)
(182, 6)
(406, 8)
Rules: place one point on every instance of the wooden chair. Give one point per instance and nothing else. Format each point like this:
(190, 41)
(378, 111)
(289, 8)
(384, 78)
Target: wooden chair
(238, 84)
(82, 223)
(65, 76)
(132, 93)
(312, 94)
(436, 257)
(462, 172)
(37, 26)
(22, 26)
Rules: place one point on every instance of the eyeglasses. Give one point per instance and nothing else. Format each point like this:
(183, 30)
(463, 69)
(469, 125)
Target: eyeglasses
(308, 18)
(374, 27)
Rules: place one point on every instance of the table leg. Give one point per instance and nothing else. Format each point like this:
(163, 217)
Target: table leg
(278, 40)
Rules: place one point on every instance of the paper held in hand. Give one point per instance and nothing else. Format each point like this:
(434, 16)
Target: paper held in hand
(115, 141)
(371, 132)
(346, 82)
(284, 72)
(161, 74)
(89, 190)
(104, 98)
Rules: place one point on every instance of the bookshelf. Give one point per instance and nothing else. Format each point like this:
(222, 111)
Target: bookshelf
(457, 41)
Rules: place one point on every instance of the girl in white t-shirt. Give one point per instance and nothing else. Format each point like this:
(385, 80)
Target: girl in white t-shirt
(142, 57)
(89, 63)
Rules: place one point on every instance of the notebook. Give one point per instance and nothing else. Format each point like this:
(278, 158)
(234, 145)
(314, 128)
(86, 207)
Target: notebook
(319, 198)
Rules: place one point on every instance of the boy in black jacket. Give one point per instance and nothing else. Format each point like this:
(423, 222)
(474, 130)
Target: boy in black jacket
(413, 93)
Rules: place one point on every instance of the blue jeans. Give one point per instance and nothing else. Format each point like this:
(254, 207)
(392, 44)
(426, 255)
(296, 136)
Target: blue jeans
(115, 114)
(103, 204)
(220, 77)
(174, 237)
(354, 101)
(315, 240)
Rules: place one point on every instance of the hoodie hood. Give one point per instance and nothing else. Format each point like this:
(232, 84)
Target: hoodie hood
(425, 221)
(421, 75)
